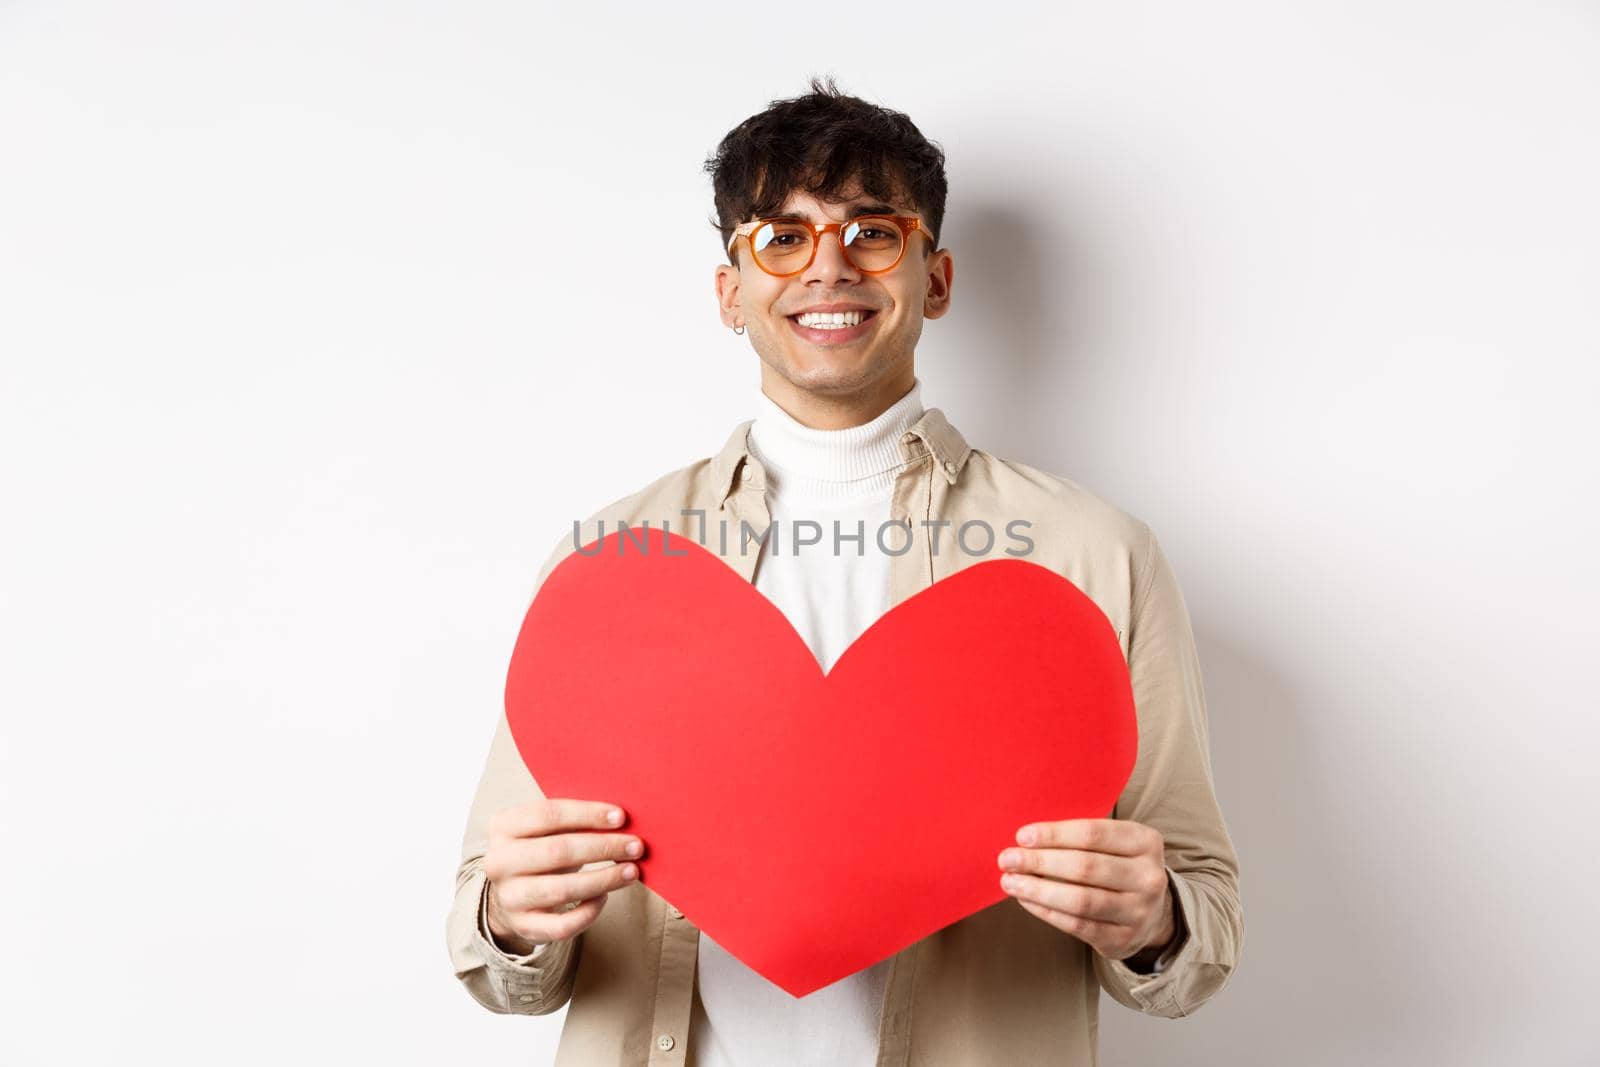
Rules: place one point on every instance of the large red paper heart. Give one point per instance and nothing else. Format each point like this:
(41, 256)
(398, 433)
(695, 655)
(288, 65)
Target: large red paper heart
(815, 824)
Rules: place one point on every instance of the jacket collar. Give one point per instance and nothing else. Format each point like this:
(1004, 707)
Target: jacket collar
(930, 434)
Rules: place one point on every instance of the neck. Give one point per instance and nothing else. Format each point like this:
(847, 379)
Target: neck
(824, 411)
(805, 464)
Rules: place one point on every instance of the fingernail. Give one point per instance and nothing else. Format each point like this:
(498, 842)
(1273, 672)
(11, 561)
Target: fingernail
(1010, 858)
(628, 871)
(614, 817)
(634, 848)
(1027, 836)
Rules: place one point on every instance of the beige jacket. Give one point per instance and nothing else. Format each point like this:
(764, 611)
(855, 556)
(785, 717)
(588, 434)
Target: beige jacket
(1000, 986)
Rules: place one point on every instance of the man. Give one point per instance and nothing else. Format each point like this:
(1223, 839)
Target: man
(830, 210)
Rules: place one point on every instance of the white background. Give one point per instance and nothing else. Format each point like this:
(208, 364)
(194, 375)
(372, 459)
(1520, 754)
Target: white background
(313, 346)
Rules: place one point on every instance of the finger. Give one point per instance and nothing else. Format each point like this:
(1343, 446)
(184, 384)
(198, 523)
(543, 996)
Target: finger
(558, 853)
(1106, 938)
(561, 924)
(1120, 837)
(564, 853)
(1102, 869)
(586, 885)
(1083, 901)
(552, 815)
(548, 892)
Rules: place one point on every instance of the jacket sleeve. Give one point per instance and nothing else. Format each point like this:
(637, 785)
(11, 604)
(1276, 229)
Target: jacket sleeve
(1171, 789)
(542, 981)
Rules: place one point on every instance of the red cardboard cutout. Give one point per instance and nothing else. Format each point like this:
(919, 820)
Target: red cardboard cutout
(815, 824)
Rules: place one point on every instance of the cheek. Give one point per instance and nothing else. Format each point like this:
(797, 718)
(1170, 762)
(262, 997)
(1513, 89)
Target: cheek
(767, 295)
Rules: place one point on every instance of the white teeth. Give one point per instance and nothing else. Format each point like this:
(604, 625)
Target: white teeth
(830, 320)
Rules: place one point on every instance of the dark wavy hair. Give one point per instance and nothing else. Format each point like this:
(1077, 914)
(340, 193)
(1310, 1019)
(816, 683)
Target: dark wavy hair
(823, 143)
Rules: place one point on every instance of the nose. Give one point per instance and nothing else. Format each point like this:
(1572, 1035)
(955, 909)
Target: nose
(829, 264)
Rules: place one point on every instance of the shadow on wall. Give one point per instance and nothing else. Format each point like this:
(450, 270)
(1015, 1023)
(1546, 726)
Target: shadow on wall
(1022, 318)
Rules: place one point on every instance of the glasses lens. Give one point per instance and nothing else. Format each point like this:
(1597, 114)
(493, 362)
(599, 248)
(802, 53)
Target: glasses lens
(873, 243)
(783, 247)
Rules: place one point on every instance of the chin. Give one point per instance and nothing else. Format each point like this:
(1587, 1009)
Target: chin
(831, 376)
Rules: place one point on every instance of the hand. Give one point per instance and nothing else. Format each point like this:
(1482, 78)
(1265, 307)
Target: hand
(533, 851)
(1102, 880)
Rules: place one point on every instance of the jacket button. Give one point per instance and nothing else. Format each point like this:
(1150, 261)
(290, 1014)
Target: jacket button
(746, 473)
(950, 466)
(665, 1042)
(674, 912)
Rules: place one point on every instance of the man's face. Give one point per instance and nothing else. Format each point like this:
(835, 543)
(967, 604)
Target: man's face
(838, 364)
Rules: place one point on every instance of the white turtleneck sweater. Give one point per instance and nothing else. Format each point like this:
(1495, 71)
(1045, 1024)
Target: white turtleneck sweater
(847, 476)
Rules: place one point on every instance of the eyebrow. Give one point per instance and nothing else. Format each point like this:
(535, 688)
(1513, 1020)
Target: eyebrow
(854, 213)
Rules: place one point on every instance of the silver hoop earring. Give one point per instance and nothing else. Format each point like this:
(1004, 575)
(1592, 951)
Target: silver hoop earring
(738, 329)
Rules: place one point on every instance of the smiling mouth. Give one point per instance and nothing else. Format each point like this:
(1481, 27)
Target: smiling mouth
(795, 318)
(828, 335)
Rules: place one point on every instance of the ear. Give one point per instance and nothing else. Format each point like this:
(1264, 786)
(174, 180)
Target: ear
(941, 275)
(727, 282)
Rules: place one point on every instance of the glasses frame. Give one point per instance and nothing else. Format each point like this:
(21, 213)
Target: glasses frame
(907, 224)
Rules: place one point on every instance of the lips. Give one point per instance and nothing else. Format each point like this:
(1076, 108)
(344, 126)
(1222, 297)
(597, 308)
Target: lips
(834, 338)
